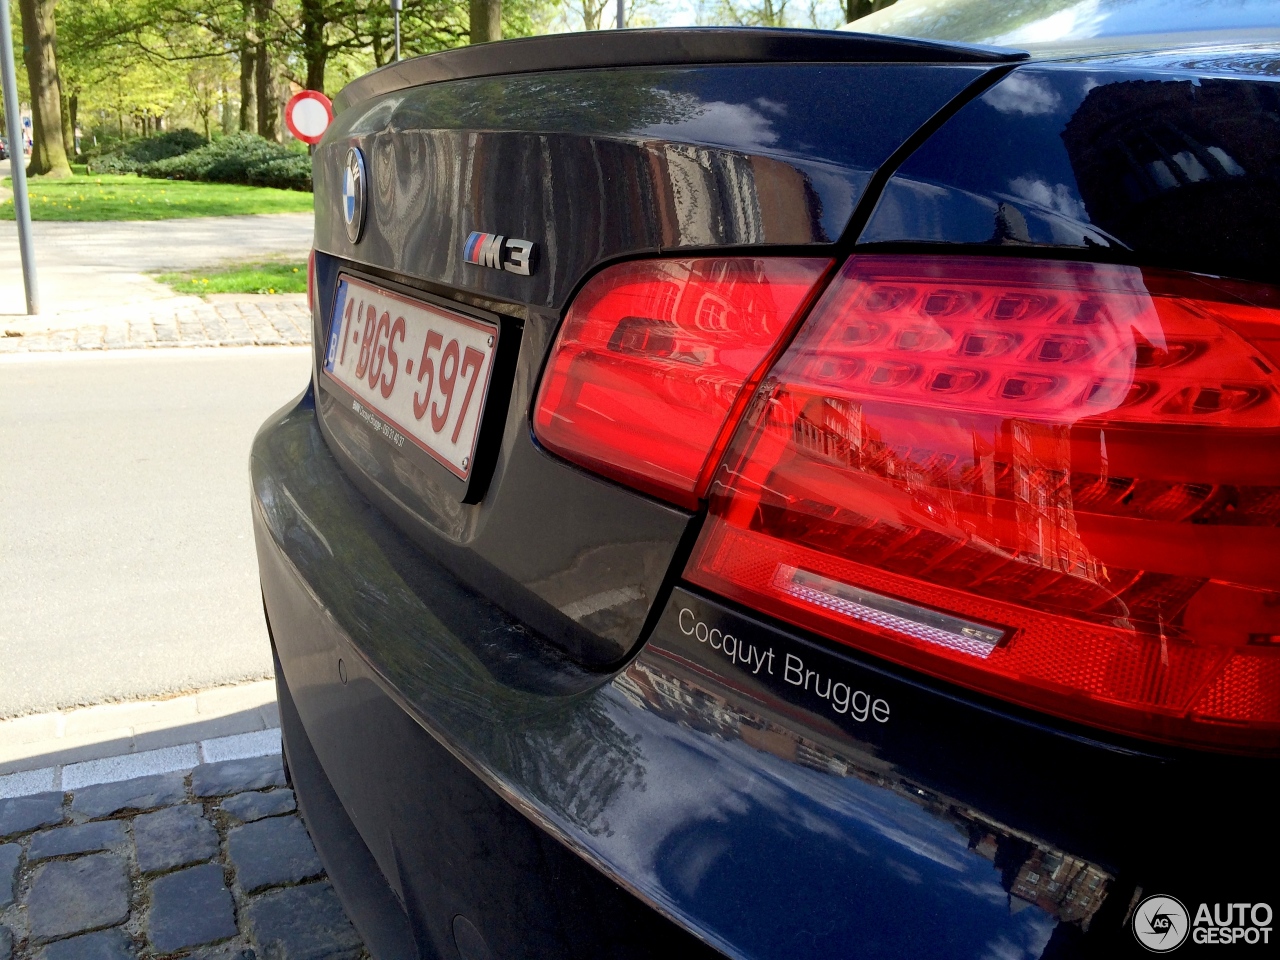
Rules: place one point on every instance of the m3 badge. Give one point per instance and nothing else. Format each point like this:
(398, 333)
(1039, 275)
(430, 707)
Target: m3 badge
(500, 253)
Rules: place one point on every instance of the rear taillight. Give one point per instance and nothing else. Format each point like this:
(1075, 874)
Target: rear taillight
(656, 357)
(311, 280)
(1054, 483)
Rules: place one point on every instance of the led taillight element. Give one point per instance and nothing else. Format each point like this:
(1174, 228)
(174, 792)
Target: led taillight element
(655, 358)
(1055, 483)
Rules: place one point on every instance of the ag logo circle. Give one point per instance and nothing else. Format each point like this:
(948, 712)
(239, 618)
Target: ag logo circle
(354, 188)
(1161, 923)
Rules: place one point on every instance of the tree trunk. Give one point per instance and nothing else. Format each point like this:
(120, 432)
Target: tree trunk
(266, 94)
(486, 20)
(224, 107)
(315, 54)
(68, 128)
(248, 55)
(248, 115)
(857, 9)
(73, 105)
(39, 36)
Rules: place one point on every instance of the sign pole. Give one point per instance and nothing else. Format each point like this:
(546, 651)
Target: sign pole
(395, 10)
(17, 165)
(622, 14)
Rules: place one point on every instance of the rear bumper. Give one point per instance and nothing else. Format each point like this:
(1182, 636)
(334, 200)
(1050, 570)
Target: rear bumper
(465, 865)
(450, 767)
(427, 836)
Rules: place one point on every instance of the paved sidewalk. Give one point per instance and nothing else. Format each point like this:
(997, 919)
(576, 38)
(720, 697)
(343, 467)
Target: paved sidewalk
(108, 768)
(212, 863)
(37, 750)
(95, 266)
(226, 320)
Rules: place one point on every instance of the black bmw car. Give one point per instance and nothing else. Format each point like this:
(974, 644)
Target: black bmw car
(785, 494)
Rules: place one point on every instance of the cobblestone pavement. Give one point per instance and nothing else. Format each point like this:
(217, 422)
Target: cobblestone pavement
(184, 322)
(211, 864)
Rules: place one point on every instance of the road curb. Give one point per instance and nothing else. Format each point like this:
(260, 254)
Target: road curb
(270, 320)
(107, 742)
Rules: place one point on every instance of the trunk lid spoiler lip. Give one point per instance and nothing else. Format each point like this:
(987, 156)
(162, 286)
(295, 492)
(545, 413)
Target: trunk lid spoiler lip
(681, 46)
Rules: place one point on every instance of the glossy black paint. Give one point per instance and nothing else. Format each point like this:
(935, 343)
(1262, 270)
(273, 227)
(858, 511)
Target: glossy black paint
(365, 892)
(1163, 160)
(592, 166)
(450, 875)
(663, 47)
(732, 801)
(501, 750)
(576, 559)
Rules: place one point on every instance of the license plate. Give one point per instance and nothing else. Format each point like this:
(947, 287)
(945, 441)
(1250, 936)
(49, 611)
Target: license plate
(416, 372)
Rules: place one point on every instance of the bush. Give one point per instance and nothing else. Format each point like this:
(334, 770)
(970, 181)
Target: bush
(129, 156)
(287, 173)
(240, 158)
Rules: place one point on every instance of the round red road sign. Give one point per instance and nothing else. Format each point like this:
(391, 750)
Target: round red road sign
(308, 115)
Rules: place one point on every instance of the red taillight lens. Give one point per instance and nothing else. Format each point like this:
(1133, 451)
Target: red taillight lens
(311, 280)
(656, 355)
(1055, 483)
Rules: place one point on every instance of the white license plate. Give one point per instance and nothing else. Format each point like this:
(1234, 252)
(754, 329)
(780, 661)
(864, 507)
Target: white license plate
(421, 370)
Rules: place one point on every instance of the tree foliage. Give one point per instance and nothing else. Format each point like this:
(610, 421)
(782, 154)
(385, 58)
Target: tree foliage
(787, 13)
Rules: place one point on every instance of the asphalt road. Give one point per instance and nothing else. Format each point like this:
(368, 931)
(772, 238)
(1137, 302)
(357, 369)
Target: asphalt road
(127, 566)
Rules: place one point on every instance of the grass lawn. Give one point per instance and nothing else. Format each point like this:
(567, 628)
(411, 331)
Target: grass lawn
(247, 278)
(128, 197)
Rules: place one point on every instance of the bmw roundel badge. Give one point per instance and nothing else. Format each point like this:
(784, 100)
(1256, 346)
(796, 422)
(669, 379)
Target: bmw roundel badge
(354, 187)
